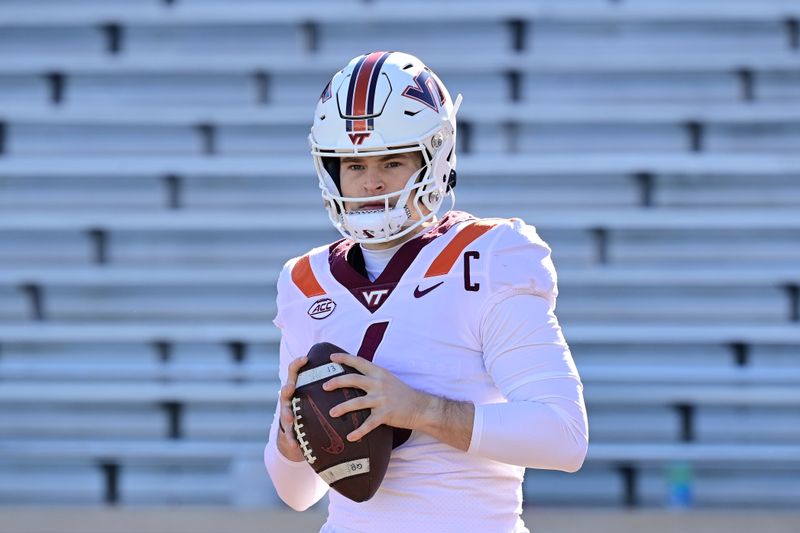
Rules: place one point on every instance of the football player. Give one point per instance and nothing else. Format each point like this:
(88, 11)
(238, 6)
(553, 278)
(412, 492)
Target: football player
(450, 319)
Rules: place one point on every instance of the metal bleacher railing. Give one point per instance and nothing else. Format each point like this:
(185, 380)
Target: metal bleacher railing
(153, 178)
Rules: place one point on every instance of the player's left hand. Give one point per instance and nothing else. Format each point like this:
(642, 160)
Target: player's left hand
(392, 402)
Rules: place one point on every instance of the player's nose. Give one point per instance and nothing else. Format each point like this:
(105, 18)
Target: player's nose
(373, 181)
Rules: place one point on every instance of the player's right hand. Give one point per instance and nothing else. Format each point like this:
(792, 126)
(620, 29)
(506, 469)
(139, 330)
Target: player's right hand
(287, 443)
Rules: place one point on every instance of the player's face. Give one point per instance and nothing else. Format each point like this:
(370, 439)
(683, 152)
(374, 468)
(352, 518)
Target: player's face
(361, 177)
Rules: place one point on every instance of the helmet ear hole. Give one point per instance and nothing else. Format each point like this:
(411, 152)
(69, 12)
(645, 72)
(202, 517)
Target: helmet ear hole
(331, 165)
(451, 180)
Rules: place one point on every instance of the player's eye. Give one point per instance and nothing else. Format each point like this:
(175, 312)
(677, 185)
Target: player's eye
(355, 166)
(393, 164)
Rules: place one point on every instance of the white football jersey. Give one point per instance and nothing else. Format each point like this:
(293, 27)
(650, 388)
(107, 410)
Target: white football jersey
(421, 319)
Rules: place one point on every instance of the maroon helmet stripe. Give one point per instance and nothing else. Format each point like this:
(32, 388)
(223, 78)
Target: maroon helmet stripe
(361, 89)
(363, 82)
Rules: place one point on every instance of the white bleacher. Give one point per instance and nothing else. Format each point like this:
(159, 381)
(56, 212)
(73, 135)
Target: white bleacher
(669, 190)
(41, 140)
(712, 487)
(707, 248)
(778, 86)
(586, 138)
(297, 167)
(94, 91)
(91, 192)
(596, 486)
(12, 305)
(782, 334)
(19, 40)
(159, 303)
(79, 422)
(211, 37)
(480, 110)
(753, 137)
(613, 36)
(348, 40)
(747, 425)
(282, 140)
(25, 89)
(709, 190)
(30, 483)
(191, 484)
(738, 13)
(154, 177)
(297, 89)
(634, 424)
(56, 247)
(631, 87)
(675, 305)
(248, 294)
(479, 64)
(663, 220)
(780, 357)
(604, 277)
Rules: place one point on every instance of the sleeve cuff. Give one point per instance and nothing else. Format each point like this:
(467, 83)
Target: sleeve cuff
(477, 430)
(288, 462)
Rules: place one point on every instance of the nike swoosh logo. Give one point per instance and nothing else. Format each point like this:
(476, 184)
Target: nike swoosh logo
(337, 444)
(419, 294)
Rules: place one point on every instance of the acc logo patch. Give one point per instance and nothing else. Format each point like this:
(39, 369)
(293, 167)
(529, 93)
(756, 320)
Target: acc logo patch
(321, 308)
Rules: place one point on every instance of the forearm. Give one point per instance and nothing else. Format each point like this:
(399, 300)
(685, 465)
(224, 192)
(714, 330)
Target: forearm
(449, 421)
(547, 435)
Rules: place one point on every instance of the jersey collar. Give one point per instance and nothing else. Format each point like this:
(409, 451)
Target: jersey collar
(347, 263)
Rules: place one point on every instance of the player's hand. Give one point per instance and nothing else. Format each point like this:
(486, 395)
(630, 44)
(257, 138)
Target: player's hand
(287, 443)
(392, 402)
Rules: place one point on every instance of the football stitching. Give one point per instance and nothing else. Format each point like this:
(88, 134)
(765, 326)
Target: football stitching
(304, 445)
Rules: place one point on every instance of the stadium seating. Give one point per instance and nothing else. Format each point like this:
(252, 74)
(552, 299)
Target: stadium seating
(154, 177)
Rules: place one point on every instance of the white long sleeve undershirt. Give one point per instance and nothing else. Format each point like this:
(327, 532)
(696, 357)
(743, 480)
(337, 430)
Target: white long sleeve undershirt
(543, 424)
(296, 482)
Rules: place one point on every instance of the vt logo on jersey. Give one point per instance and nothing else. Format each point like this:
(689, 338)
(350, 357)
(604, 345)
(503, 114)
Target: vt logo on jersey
(427, 91)
(374, 298)
(321, 308)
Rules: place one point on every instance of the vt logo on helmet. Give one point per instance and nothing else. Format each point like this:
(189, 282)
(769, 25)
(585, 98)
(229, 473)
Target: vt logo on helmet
(380, 104)
(427, 91)
(358, 138)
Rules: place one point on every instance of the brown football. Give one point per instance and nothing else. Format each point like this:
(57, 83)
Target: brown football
(354, 469)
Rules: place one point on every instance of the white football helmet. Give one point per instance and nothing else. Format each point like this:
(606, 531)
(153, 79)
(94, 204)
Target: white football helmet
(384, 103)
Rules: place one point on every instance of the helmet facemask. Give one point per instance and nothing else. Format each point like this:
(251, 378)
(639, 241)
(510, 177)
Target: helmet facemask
(397, 217)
